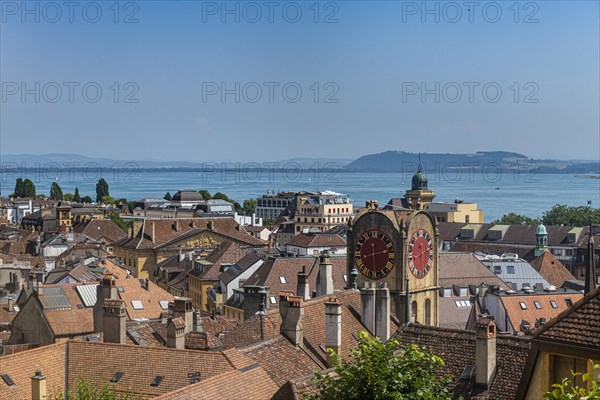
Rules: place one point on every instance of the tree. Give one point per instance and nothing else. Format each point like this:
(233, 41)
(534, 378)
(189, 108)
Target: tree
(513, 218)
(249, 206)
(56, 192)
(108, 200)
(562, 214)
(168, 196)
(69, 197)
(101, 190)
(121, 223)
(18, 188)
(86, 199)
(375, 371)
(92, 391)
(76, 196)
(205, 194)
(567, 389)
(28, 188)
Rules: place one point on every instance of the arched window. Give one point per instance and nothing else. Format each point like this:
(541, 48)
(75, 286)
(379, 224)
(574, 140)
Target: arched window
(413, 312)
(427, 311)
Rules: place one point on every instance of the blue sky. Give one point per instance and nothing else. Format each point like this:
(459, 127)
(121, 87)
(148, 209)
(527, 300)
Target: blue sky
(369, 63)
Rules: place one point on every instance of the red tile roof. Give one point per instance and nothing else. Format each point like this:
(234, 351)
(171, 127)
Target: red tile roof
(318, 240)
(551, 269)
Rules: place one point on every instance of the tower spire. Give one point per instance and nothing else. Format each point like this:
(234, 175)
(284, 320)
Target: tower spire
(590, 270)
(419, 167)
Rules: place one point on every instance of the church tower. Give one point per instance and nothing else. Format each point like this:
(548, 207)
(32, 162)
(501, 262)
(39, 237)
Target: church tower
(541, 240)
(419, 195)
(398, 248)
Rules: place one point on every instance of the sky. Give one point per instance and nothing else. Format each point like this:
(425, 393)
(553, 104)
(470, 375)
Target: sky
(262, 81)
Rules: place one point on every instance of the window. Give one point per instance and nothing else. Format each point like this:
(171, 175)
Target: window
(8, 380)
(272, 299)
(464, 292)
(497, 269)
(568, 302)
(137, 304)
(537, 305)
(164, 304)
(282, 279)
(447, 292)
(117, 377)
(523, 305)
(553, 304)
(346, 279)
(157, 380)
(510, 269)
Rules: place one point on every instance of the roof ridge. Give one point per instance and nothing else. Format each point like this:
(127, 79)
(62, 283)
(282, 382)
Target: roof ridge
(571, 310)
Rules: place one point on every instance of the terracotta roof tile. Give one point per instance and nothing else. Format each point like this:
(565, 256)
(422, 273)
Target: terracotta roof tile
(100, 228)
(465, 269)
(318, 240)
(551, 269)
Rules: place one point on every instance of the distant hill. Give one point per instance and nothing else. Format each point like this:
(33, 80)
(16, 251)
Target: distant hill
(401, 161)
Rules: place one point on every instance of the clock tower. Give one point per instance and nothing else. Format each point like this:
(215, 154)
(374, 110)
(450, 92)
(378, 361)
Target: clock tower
(398, 248)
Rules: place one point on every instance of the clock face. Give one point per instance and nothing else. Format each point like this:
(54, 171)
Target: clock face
(420, 253)
(374, 254)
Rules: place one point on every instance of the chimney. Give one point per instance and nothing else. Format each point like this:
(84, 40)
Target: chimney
(147, 284)
(367, 308)
(291, 325)
(176, 225)
(114, 330)
(106, 289)
(252, 300)
(198, 323)
(485, 351)
(325, 279)
(382, 313)
(590, 268)
(11, 304)
(38, 386)
(181, 257)
(333, 327)
(153, 232)
(176, 333)
(303, 289)
(183, 309)
(209, 225)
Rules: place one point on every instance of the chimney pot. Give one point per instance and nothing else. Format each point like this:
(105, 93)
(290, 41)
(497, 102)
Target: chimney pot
(38, 386)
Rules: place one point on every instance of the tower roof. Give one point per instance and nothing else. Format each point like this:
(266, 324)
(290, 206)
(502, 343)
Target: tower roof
(419, 180)
(541, 230)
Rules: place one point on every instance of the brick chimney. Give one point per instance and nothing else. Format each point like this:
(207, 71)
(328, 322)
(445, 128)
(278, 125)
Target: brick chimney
(485, 351)
(333, 326)
(114, 321)
(382, 313)
(182, 308)
(176, 333)
(303, 289)
(291, 325)
(38, 386)
(325, 278)
(367, 308)
(106, 289)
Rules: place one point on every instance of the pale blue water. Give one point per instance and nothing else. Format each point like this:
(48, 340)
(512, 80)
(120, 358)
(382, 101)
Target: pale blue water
(524, 193)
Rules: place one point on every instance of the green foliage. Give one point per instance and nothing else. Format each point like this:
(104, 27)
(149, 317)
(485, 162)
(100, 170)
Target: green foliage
(375, 371)
(567, 389)
(223, 196)
(121, 223)
(101, 190)
(562, 214)
(513, 218)
(249, 207)
(56, 192)
(91, 391)
(69, 197)
(205, 194)
(108, 200)
(24, 188)
(86, 199)
(168, 196)
(76, 196)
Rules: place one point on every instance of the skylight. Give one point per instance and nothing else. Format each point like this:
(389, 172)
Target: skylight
(137, 304)
(272, 299)
(523, 305)
(537, 305)
(117, 377)
(553, 304)
(157, 380)
(164, 304)
(8, 380)
(282, 279)
(194, 377)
